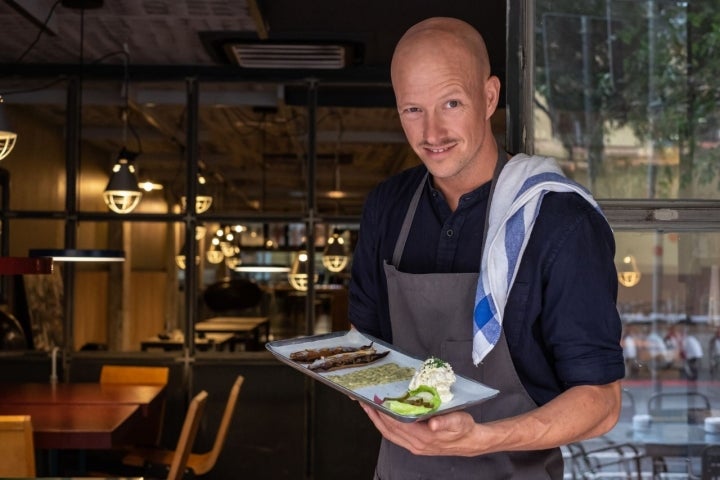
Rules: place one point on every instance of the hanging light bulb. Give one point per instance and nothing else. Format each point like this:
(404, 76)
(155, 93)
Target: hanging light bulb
(335, 256)
(122, 193)
(7, 137)
(629, 275)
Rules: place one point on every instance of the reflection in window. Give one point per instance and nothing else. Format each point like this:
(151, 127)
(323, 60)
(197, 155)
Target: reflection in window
(626, 95)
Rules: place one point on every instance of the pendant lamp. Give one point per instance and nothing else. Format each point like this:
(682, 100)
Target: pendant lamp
(203, 200)
(180, 258)
(7, 137)
(122, 193)
(335, 255)
(628, 273)
(78, 255)
(298, 276)
(214, 255)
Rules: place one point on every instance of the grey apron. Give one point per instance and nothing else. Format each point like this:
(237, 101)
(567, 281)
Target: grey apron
(430, 315)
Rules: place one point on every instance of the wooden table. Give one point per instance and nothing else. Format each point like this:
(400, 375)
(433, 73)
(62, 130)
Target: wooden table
(78, 427)
(82, 415)
(208, 341)
(243, 328)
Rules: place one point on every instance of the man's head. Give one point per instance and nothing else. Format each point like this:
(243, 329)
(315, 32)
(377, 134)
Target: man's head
(445, 96)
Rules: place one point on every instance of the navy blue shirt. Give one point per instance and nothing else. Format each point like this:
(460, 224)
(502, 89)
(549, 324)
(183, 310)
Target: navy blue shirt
(561, 322)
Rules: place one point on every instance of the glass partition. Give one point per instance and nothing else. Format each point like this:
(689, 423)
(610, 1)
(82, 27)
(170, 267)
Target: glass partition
(625, 95)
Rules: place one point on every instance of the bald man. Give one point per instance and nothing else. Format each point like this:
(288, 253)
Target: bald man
(417, 266)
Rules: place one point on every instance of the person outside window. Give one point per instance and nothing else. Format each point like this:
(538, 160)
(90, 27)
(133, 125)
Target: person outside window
(693, 354)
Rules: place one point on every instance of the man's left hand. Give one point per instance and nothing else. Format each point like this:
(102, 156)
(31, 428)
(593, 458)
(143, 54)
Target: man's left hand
(440, 435)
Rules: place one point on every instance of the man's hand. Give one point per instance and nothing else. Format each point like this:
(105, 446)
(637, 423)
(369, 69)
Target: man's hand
(578, 413)
(441, 435)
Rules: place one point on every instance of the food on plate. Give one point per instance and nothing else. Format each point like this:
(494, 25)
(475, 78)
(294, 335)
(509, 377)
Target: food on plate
(419, 401)
(311, 354)
(435, 373)
(382, 374)
(428, 389)
(345, 360)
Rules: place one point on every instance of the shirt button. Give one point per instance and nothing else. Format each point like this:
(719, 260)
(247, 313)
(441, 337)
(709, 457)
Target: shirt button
(449, 233)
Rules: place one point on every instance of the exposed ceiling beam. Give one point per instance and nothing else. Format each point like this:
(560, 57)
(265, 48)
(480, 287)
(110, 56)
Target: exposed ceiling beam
(38, 12)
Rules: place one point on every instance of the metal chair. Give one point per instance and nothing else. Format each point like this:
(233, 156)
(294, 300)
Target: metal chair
(690, 407)
(616, 461)
(16, 447)
(710, 462)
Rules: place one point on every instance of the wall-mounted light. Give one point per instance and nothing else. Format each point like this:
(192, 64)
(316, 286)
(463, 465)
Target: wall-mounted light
(335, 256)
(628, 274)
(122, 193)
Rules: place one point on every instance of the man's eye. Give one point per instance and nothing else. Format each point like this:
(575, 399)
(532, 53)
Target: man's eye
(453, 104)
(412, 110)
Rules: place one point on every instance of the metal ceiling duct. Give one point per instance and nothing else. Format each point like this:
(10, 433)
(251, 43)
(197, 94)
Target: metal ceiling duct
(289, 55)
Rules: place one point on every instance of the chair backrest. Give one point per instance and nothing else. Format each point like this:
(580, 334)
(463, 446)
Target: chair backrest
(17, 449)
(692, 407)
(710, 459)
(187, 436)
(134, 374)
(139, 375)
(203, 463)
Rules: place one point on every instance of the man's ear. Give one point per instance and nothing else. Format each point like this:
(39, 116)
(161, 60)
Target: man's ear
(492, 95)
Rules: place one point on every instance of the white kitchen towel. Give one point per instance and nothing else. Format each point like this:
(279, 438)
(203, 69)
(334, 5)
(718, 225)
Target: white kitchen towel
(515, 203)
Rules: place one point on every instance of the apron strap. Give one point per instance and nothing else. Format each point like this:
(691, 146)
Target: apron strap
(407, 223)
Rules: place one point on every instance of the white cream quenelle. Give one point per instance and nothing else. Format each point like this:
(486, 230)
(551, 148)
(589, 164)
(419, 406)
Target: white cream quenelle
(435, 373)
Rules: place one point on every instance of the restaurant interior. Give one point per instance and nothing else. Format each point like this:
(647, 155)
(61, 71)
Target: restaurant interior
(274, 120)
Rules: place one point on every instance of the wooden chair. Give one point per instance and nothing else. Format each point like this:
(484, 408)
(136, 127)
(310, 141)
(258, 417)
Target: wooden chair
(134, 375)
(140, 375)
(187, 436)
(17, 449)
(199, 463)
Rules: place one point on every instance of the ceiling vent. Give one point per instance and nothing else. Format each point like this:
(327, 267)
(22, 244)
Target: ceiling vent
(290, 55)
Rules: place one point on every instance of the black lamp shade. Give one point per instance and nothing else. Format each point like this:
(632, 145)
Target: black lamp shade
(122, 193)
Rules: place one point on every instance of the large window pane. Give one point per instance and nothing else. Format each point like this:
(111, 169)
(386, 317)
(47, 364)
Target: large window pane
(626, 95)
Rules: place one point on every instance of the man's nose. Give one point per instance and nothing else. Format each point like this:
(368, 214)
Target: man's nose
(434, 128)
